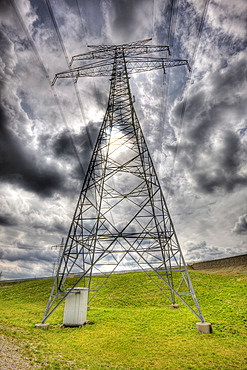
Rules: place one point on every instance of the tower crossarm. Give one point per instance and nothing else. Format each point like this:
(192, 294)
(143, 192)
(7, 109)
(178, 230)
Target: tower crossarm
(134, 65)
(106, 52)
(133, 43)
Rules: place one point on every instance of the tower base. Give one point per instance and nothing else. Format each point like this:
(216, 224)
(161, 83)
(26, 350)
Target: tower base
(174, 305)
(204, 327)
(44, 326)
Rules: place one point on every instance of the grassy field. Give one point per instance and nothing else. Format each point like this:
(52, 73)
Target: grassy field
(131, 326)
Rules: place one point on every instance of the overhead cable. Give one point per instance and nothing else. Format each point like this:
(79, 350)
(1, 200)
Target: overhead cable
(18, 14)
(68, 63)
(172, 23)
(188, 84)
(166, 76)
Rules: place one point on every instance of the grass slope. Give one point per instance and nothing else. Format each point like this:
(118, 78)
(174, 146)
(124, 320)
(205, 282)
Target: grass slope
(131, 326)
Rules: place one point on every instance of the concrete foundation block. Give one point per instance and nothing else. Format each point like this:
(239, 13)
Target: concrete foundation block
(204, 327)
(174, 305)
(44, 326)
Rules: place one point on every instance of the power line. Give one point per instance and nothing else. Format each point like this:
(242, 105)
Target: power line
(166, 76)
(153, 20)
(184, 103)
(172, 23)
(76, 87)
(19, 16)
(81, 18)
(70, 136)
(68, 63)
(200, 32)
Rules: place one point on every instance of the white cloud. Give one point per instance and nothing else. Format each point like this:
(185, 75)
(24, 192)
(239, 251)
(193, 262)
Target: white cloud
(241, 225)
(229, 17)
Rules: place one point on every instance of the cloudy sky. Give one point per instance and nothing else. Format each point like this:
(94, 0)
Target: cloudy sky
(194, 123)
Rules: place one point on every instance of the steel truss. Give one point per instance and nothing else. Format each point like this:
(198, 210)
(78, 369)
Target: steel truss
(121, 219)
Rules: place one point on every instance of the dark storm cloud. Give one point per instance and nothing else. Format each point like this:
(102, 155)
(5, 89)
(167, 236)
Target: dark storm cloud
(21, 167)
(63, 146)
(230, 154)
(50, 225)
(241, 225)
(224, 171)
(18, 164)
(7, 220)
(77, 147)
(210, 150)
(125, 16)
(27, 255)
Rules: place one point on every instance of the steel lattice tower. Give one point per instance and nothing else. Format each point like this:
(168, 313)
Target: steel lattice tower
(121, 217)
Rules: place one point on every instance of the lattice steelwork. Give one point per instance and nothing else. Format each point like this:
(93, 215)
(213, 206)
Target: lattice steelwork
(121, 220)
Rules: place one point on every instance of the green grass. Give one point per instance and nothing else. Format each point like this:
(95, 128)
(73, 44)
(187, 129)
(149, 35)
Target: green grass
(131, 326)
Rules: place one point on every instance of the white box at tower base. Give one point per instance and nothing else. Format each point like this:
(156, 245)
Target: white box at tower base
(75, 310)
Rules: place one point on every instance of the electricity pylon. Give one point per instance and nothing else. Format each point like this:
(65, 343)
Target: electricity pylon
(121, 219)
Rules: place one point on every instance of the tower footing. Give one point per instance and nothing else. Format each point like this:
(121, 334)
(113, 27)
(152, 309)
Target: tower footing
(204, 327)
(44, 326)
(174, 305)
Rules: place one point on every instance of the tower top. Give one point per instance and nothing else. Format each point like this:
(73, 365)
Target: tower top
(131, 49)
(103, 57)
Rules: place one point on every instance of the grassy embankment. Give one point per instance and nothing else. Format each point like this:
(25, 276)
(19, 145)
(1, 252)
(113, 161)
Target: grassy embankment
(132, 327)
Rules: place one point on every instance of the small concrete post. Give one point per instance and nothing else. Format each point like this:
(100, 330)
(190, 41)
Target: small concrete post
(204, 327)
(174, 305)
(44, 326)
